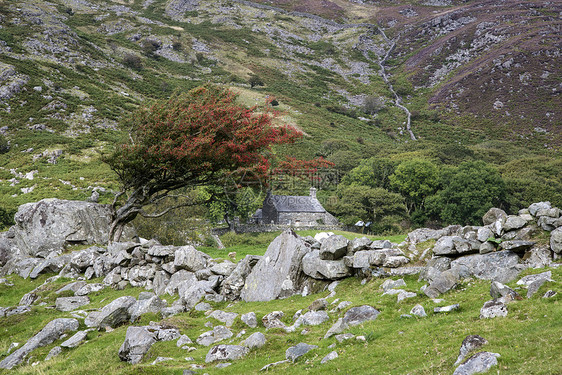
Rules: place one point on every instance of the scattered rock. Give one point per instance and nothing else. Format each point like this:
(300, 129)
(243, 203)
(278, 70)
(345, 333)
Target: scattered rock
(161, 359)
(498, 290)
(112, 314)
(528, 280)
(183, 340)
(360, 314)
(138, 341)
(218, 333)
(255, 340)
(549, 294)
(470, 343)
(392, 284)
(51, 332)
(53, 352)
(226, 353)
(330, 356)
(75, 340)
(404, 295)
(225, 317)
(344, 336)
(270, 365)
(535, 286)
(272, 320)
(446, 309)
(480, 362)
(153, 304)
(419, 311)
(297, 351)
(493, 309)
(250, 319)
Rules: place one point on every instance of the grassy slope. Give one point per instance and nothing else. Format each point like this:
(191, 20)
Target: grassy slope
(527, 339)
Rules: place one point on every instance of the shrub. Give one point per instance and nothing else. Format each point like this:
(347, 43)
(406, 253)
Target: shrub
(150, 46)
(255, 80)
(132, 61)
(4, 144)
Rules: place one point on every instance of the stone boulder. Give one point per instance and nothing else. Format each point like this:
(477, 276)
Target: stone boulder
(138, 341)
(334, 247)
(297, 351)
(232, 286)
(254, 341)
(470, 343)
(536, 207)
(218, 333)
(454, 246)
(478, 363)
(316, 267)
(226, 353)
(250, 319)
(556, 240)
(278, 273)
(360, 314)
(148, 302)
(71, 303)
(442, 283)
(51, 332)
(112, 314)
(493, 309)
(502, 266)
(190, 259)
(52, 224)
(75, 340)
(493, 215)
(499, 290)
(357, 244)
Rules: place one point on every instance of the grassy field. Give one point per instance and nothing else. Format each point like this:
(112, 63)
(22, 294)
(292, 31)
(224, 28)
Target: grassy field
(528, 339)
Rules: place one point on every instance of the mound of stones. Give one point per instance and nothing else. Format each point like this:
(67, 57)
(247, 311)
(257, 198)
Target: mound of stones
(499, 250)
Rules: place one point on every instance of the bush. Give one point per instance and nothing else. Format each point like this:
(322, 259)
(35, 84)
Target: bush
(149, 46)
(132, 61)
(6, 218)
(372, 104)
(4, 144)
(255, 80)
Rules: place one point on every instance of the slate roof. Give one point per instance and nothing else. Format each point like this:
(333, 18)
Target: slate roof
(295, 203)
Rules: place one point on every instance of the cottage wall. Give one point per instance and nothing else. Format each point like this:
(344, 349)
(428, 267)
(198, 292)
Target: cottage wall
(306, 219)
(269, 212)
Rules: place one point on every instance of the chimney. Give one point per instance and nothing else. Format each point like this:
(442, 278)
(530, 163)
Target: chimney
(313, 192)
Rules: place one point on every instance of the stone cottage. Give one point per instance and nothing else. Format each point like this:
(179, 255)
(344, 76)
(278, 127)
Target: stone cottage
(294, 210)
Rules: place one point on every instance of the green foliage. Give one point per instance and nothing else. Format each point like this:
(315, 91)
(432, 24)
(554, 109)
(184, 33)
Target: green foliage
(373, 172)
(255, 80)
(4, 144)
(6, 218)
(372, 104)
(415, 179)
(362, 203)
(132, 61)
(469, 191)
(532, 179)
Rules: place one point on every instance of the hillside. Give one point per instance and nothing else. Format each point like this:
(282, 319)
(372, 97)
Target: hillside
(477, 79)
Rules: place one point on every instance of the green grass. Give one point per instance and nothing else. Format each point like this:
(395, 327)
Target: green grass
(528, 339)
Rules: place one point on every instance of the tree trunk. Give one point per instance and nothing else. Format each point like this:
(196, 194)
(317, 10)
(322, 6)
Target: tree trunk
(126, 213)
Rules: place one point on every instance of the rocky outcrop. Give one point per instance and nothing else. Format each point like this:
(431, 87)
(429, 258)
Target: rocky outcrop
(52, 224)
(279, 273)
(51, 332)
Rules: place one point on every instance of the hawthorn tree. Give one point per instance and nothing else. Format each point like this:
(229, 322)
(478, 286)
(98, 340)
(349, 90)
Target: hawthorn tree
(192, 139)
